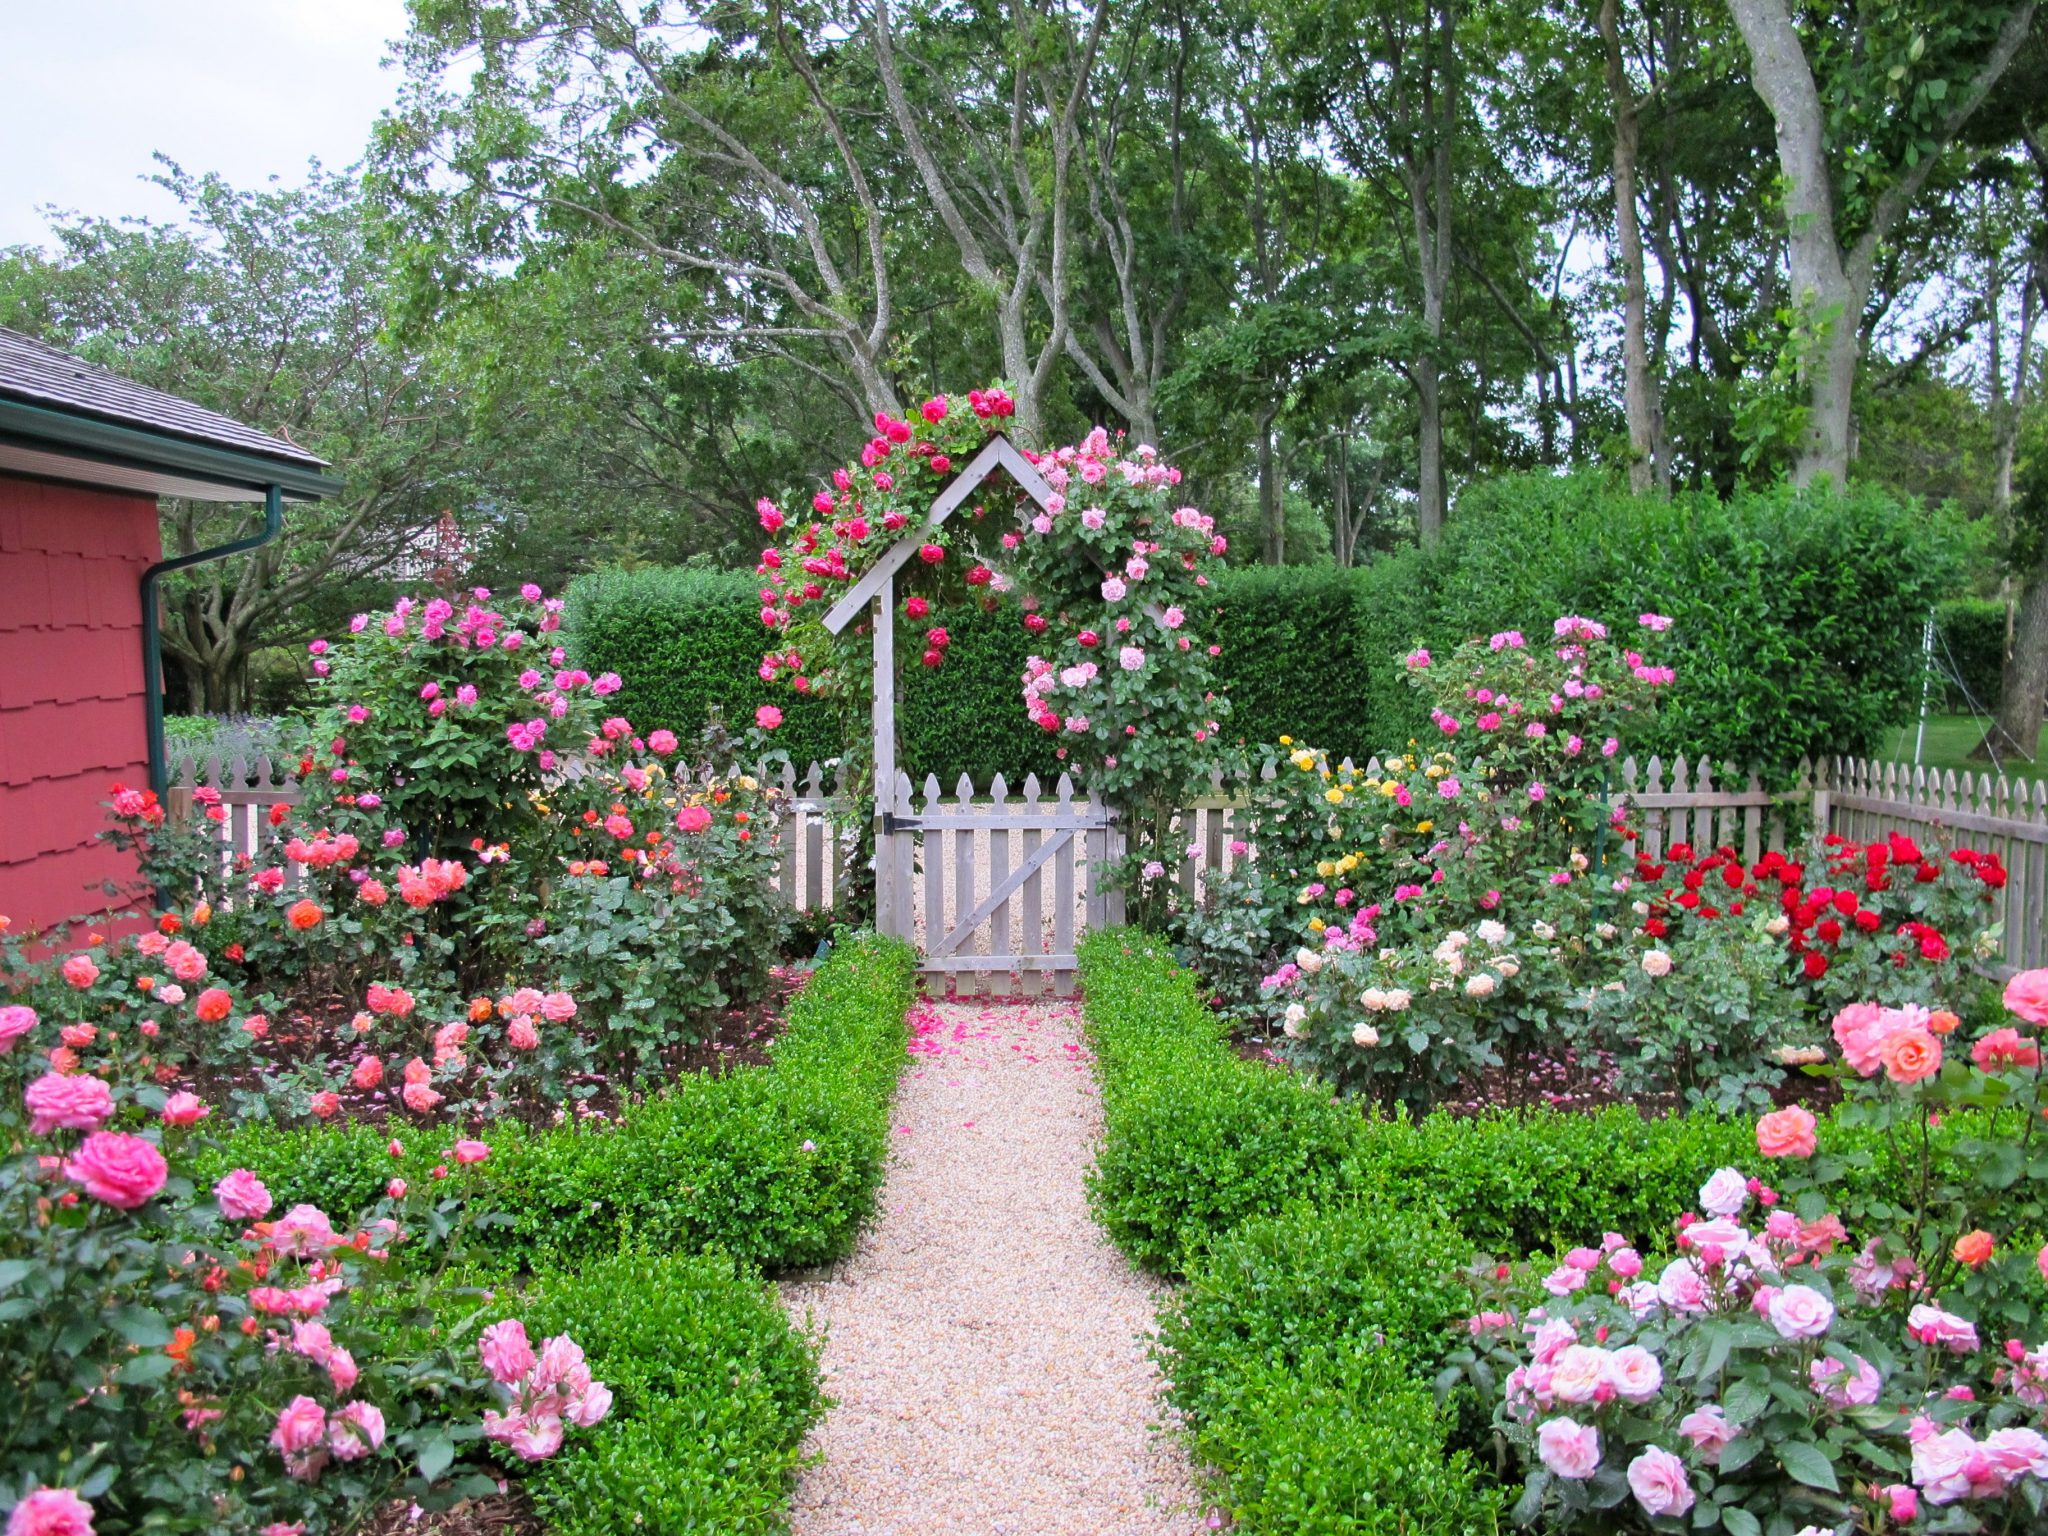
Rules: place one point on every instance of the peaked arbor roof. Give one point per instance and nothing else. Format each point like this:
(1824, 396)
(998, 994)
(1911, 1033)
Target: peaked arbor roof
(998, 453)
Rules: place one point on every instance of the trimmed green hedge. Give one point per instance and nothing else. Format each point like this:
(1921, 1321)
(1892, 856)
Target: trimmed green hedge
(1970, 653)
(777, 1166)
(713, 1393)
(1799, 629)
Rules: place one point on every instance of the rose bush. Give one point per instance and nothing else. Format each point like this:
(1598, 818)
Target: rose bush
(1805, 1355)
(184, 1358)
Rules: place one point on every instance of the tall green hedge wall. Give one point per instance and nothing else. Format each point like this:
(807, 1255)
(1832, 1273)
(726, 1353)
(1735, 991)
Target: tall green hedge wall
(1798, 629)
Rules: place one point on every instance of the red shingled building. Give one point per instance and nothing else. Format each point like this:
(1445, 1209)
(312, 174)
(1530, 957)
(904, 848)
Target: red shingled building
(84, 455)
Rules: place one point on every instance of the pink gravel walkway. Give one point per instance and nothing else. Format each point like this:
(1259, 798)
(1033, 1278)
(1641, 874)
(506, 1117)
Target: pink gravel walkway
(986, 1345)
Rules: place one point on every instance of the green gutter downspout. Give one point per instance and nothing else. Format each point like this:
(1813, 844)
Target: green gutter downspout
(152, 627)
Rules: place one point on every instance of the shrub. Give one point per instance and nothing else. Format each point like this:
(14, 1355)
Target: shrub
(1277, 1289)
(1194, 1140)
(714, 1392)
(1341, 1443)
(1969, 653)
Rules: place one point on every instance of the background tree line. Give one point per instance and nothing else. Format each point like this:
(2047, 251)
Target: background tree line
(609, 271)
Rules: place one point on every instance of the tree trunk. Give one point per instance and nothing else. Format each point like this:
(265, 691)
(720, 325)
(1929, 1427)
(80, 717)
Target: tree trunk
(1343, 532)
(1272, 515)
(1429, 486)
(1827, 303)
(1645, 426)
(2016, 729)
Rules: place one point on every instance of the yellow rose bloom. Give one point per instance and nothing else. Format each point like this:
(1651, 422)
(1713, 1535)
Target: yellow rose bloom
(1286, 741)
(1315, 925)
(1334, 795)
(1424, 826)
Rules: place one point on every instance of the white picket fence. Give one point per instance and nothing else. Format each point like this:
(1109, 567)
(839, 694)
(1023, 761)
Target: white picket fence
(992, 885)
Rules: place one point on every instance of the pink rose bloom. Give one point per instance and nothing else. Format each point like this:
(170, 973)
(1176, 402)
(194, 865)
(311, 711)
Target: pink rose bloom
(589, 1406)
(1657, 1479)
(536, 1438)
(301, 1428)
(1931, 1325)
(1625, 1262)
(767, 717)
(80, 971)
(1786, 1132)
(51, 1512)
(1709, 1430)
(1550, 1339)
(1113, 590)
(183, 1108)
(1801, 1312)
(304, 1232)
(2018, 1452)
(1580, 1372)
(661, 743)
(1634, 1373)
(471, 1151)
(118, 1169)
(2026, 996)
(1681, 1288)
(1951, 1466)
(1845, 1385)
(242, 1196)
(419, 1097)
(356, 1430)
(521, 1035)
(1725, 1194)
(692, 818)
(1568, 1449)
(1901, 1502)
(16, 1020)
(1563, 1280)
(1130, 658)
(558, 1007)
(67, 1101)
(505, 1351)
(1859, 1031)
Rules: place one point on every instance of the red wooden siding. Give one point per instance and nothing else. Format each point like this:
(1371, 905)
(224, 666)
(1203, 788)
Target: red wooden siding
(71, 711)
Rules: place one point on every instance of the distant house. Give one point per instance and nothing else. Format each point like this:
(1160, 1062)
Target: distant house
(84, 455)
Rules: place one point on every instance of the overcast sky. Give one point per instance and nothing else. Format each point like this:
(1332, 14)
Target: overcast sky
(89, 89)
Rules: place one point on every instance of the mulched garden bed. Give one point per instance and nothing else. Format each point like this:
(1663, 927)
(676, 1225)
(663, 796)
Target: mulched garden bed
(320, 1030)
(509, 1513)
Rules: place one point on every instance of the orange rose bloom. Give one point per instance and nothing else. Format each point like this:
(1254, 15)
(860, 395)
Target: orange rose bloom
(214, 1004)
(202, 915)
(479, 1009)
(180, 1347)
(1942, 1022)
(304, 915)
(1910, 1055)
(1974, 1249)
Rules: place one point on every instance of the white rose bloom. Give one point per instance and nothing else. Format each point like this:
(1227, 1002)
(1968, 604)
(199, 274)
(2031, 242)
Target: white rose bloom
(1365, 1034)
(1508, 966)
(1293, 1029)
(1579, 860)
(1778, 924)
(1398, 998)
(1612, 986)
(1295, 1013)
(1606, 930)
(1542, 930)
(1309, 960)
(1457, 938)
(1656, 963)
(1372, 999)
(1640, 908)
(1481, 985)
(1389, 956)
(1492, 933)
(1725, 1194)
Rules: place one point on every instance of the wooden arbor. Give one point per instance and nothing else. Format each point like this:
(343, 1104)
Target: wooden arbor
(1050, 831)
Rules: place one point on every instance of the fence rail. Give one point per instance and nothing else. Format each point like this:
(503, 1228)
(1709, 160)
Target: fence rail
(1695, 800)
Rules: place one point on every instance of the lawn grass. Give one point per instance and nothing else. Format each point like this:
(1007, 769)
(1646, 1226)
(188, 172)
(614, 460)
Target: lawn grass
(1950, 739)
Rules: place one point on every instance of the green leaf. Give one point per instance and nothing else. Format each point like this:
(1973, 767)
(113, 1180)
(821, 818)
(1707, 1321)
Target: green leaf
(1807, 1463)
(143, 1369)
(1739, 1521)
(140, 1327)
(436, 1456)
(1744, 1401)
(13, 1272)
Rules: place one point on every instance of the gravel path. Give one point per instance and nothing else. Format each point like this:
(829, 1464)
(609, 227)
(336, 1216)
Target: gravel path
(985, 1344)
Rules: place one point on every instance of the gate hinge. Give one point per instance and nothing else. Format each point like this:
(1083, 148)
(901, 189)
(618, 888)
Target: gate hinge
(891, 822)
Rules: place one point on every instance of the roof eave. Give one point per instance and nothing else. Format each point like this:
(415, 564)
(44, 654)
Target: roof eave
(90, 440)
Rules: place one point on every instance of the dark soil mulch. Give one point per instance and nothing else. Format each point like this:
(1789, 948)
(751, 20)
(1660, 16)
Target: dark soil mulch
(509, 1513)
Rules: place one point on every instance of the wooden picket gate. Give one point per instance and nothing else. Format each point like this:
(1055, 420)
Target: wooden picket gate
(987, 887)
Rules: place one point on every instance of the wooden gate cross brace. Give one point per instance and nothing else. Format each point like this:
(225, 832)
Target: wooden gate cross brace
(965, 927)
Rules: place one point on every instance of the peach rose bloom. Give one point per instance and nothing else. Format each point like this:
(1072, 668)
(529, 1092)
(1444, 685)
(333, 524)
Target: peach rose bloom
(1942, 1022)
(1786, 1132)
(1911, 1055)
(1974, 1249)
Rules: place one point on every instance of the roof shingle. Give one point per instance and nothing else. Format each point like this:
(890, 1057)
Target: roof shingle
(37, 374)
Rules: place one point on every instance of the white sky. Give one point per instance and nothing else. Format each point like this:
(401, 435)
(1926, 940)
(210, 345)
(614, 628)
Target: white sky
(89, 89)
